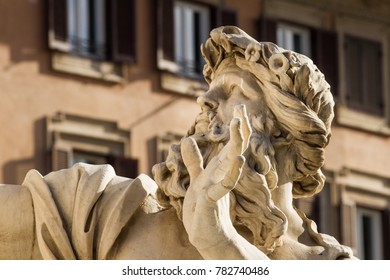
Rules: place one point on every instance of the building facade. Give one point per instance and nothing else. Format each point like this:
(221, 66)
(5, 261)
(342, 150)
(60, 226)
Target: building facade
(116, 82)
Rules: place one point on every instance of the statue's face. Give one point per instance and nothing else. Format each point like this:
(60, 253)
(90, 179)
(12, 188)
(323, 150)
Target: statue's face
(228, 89)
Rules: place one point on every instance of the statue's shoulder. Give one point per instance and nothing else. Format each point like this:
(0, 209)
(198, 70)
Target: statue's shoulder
(84, 197)
(140, 192)
(88, 180)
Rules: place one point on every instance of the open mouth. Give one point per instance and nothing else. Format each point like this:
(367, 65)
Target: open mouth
(210, 127)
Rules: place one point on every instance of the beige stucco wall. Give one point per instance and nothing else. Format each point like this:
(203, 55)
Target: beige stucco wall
(358, 150)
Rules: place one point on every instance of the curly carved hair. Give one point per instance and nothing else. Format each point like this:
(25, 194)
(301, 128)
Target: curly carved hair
(295, 91)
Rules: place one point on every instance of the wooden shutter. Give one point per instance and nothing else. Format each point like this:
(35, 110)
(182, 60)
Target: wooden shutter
(58, 25)
(363, 60)
(221, 16)
(324, 45)
(267, 30)
(165, 35)
(124, 166)
(123, 25)
(386, 233)
(353, 66)
(372, 68)
(215, 17)
(228, 16)
(61, 157)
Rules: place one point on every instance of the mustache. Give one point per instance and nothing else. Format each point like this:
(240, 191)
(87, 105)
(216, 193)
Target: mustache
(210, 128)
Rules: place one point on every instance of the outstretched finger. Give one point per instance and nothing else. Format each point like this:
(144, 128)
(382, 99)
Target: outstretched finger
(235, 145)
(233, 149)
(192, 157)
(229, 182)
(240, 112)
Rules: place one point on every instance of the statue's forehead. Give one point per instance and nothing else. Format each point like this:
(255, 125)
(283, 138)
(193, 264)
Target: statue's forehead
(228, 77)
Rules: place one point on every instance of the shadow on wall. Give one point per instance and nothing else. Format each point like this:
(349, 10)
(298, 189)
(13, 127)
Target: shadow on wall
(14, 171)
(26, 38)
(152, 154)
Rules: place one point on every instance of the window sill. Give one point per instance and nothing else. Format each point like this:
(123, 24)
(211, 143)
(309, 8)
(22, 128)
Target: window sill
(85, 67)
(360, 120)
(182, 85)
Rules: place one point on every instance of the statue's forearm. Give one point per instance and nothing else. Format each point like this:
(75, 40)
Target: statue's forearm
(16, 223)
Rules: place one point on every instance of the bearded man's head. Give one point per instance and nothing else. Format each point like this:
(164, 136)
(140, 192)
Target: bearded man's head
(290, 109)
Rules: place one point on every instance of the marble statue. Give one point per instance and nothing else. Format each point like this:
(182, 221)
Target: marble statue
(224, 192)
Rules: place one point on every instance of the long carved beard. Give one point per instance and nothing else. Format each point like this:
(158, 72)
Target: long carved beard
(250, 201)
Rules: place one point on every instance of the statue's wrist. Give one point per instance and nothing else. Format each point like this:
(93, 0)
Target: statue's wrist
(214, 241)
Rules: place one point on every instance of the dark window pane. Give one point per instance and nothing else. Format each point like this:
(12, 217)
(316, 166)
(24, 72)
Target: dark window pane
(165, 28)
(126, 167)
(297, 40)
(367, 237)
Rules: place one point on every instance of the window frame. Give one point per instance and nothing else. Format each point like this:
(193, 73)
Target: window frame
(120, 34)
(68, 134)
(355, 189)
(354, 117)
(376, 232)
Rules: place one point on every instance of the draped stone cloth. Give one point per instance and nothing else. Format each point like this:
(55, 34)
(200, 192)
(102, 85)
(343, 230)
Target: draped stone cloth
(80, 212)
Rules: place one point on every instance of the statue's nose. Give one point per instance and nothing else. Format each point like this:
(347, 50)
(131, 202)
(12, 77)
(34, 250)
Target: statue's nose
(207, 102)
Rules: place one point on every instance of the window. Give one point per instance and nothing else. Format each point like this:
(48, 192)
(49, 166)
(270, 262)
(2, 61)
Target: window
(72, 139)
(363, 62)
(192, 27)
(87, 27)
(182, 27)
(369, 234)
(88, 157)
(294, 38)
(90, 33)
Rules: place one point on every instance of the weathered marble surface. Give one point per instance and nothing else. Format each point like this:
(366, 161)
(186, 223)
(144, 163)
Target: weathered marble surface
(224, 192)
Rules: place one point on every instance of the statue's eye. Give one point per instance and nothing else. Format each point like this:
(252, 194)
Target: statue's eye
(234, 90)
(237, 91)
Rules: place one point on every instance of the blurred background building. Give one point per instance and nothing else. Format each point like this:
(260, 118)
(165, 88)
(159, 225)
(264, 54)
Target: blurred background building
(116, 81)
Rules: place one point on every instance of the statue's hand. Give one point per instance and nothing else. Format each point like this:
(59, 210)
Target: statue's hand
(206, 213)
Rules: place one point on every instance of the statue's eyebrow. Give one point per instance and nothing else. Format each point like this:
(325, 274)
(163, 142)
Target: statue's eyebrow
(227, 82)
(231, 80)
(227, 85)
